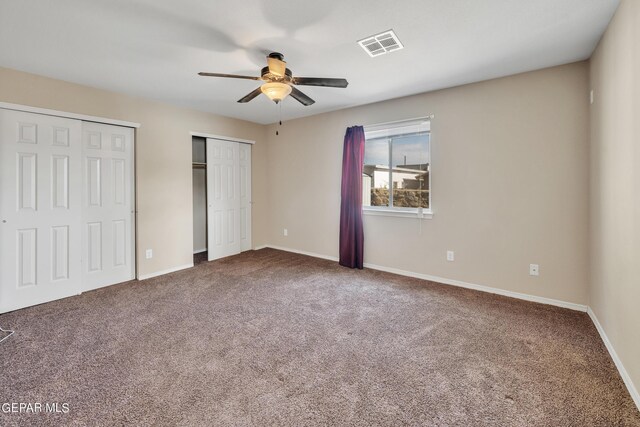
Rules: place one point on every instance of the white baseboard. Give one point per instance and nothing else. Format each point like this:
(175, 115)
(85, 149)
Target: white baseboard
(633, 391)
(296, 251)
(445, 281)
(481, 288)
(160, 273)
(197, 251)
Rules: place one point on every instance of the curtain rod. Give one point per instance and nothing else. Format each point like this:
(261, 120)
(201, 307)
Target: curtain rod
(427, 117)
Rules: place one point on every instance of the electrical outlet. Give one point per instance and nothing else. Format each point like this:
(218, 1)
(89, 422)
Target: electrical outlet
(534, 270)
(149, 253)
(285, 232)
(450, 256)
(591, 96)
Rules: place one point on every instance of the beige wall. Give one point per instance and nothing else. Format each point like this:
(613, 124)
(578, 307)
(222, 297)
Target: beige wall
(510, 184)
(615, 185)
(510, 161)
(163, 159)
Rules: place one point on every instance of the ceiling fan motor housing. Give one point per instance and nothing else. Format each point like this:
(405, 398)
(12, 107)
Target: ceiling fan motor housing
(276, 55)
(268, 76)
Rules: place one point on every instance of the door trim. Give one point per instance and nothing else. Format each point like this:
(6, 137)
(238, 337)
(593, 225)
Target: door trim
(57, 113)
(224, 138)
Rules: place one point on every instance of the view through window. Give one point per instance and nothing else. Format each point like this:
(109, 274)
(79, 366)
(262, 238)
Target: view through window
(397, 165)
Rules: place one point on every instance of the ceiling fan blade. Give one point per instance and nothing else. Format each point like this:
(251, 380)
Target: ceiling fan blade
(276, 66)
(301, 97)
(319, 81)
(232, 76)
(250, 96)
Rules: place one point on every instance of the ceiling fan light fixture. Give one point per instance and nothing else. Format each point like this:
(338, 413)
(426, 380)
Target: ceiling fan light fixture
(279, 82)
(276, 91)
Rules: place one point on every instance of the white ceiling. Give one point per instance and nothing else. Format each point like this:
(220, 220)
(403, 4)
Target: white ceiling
(154, 48)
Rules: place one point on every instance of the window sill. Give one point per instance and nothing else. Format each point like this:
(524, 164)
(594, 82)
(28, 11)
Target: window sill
(399, 213)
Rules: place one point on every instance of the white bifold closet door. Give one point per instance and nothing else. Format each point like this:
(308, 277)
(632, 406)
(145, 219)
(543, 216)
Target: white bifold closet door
(107, 205)
(66, 207)
(229, 197)
(40, 209)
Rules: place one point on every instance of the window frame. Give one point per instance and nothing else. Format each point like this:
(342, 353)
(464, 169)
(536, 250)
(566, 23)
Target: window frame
(402, 212)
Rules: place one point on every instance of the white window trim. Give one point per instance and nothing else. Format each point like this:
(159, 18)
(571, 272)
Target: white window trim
(397, 212)
(403, 212)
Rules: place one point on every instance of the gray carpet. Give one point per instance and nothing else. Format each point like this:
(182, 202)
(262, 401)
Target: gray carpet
(200, 257)
(272, 338)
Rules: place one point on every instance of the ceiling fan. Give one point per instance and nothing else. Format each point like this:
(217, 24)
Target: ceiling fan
(279, 82)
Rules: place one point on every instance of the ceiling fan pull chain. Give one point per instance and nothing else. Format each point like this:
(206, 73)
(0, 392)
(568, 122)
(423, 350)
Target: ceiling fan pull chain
(279, 116)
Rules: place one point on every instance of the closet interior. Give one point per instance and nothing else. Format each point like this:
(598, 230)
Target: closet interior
(199, 171)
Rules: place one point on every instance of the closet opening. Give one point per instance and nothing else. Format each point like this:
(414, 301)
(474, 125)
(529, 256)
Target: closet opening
(199, 172)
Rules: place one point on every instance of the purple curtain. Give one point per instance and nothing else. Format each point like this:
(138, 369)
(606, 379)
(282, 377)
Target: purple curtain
(351, 232)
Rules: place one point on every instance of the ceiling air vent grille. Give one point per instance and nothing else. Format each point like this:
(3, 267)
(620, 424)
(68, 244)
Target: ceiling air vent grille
(380, 44)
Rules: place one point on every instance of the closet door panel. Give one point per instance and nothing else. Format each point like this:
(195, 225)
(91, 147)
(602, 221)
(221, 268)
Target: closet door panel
(223, 187)
(108, 205)
(40, 208)
(244, 168)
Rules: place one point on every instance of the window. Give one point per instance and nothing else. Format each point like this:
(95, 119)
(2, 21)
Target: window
(397, 165)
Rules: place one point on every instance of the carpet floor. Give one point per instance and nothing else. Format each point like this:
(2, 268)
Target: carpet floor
(273, 338)
(199, 258)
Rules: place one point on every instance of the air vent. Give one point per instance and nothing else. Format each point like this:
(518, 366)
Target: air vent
(380, 44)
